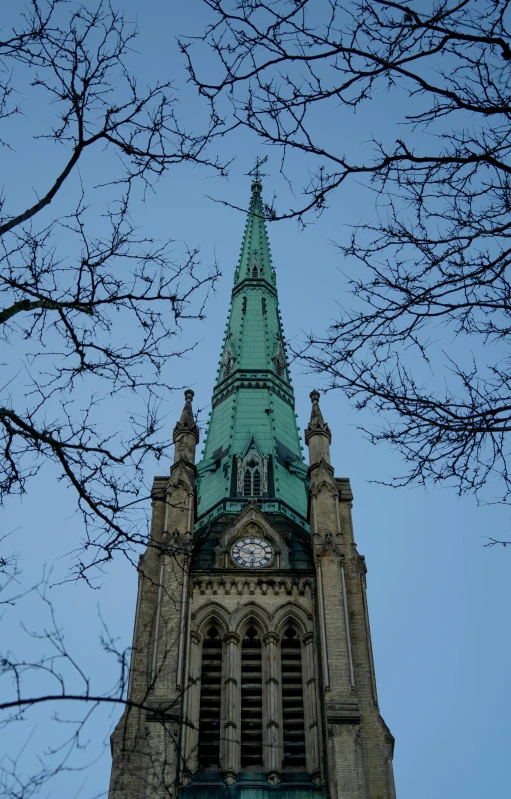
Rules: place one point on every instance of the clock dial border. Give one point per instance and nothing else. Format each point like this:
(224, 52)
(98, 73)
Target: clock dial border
(267, 552)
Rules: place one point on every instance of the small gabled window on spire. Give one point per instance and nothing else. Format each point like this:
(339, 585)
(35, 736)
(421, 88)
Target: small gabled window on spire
(227, 362)
(279, 361)
(252, 472)
(255, 267)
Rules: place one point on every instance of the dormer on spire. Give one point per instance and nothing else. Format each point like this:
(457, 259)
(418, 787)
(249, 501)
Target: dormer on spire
(279, 360)
(186, 432)
(227, 363)
(317, 434)
(255, 266)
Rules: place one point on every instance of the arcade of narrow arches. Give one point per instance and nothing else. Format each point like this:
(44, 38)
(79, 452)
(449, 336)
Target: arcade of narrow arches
(253, 704)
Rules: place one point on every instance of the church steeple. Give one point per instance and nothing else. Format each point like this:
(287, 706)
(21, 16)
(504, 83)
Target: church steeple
(252, 673)
(253, 419)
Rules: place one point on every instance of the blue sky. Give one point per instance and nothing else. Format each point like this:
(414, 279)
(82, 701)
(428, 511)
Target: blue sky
(438, 601)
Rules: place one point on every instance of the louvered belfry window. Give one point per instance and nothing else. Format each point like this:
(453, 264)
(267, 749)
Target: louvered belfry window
(210, 701)
(292, 701)
(251, 702)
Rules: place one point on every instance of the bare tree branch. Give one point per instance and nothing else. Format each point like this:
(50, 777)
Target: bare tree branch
(72, 284)
(424, 343)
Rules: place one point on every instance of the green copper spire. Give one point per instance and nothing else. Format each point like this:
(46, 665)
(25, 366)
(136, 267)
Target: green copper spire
(252, 449)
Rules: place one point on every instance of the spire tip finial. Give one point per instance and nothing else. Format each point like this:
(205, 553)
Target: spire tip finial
(256, 174)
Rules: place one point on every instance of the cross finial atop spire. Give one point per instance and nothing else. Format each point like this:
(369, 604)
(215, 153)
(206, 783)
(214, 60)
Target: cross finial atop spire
(255, 173)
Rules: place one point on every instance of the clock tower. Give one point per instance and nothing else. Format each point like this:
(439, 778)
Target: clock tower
(252, 673)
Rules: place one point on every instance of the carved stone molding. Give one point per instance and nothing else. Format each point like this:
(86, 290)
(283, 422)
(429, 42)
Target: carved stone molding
(241, 585)
(232, 638)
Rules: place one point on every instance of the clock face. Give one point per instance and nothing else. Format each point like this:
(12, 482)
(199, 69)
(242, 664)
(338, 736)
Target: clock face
(252, 552)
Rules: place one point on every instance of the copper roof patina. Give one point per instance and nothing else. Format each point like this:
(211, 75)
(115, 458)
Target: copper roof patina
(253, 399)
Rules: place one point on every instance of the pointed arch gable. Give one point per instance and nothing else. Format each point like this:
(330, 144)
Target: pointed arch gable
(290, 612)
(228, 359)
(213, 612)
(279, 351)
(279, 358)
(252, 476)
(255, 267)
(252, 446)
(251, 612)
(254, 527)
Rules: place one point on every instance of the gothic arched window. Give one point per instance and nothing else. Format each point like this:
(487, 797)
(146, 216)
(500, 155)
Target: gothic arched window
(292, 700)
(255, 267)
(269, 698)
(252, 478)
(252, 468)
(210, 701)
(251, 701)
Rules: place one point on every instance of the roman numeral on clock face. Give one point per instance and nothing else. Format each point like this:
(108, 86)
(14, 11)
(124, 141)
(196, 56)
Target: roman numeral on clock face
(252, 552)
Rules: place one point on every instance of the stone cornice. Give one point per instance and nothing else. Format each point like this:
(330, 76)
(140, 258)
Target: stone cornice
(240, 583)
